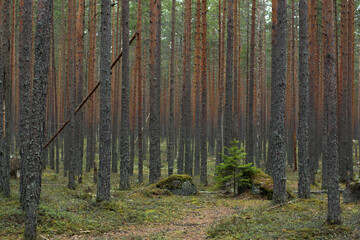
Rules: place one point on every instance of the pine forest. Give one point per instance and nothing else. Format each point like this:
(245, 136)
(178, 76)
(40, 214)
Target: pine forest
(180, 119)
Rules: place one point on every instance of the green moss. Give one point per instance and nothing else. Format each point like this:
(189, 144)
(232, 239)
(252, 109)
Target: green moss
(170, 182)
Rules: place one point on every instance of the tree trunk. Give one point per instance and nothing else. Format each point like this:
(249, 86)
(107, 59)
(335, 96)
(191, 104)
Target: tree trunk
(278, 86)
(41, 71)
(103, 187)
(228, 117)
(124, 122)
(333, 216)
(155, 67)
(304, 173)
(185, 138)
(171, 126)
(203, 175)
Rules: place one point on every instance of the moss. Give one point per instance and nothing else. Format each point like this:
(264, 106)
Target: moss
(171, 182)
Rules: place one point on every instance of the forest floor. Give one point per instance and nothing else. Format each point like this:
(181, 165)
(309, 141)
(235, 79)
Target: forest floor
(75, 214)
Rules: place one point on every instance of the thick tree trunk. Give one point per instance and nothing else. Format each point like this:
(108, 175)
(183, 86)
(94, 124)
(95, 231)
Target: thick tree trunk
(41, 71)
(103, 187)
(155, 67)
(124, 122)
(304, 173)
(185, 138)
(278, 86)
(333, 216)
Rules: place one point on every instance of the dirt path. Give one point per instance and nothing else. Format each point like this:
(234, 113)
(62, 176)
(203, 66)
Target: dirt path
(193, 226)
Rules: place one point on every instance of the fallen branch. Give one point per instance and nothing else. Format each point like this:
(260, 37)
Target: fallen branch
(87, 97)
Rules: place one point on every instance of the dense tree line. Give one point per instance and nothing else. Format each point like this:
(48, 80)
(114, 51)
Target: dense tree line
(77, 92)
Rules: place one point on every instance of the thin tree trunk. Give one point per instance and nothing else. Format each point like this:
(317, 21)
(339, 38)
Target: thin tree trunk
(203, 175)
(124, 122)
(171, 126)
(250, 105)
(228, 117)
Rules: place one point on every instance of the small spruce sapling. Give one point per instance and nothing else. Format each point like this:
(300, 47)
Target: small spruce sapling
(232, 171)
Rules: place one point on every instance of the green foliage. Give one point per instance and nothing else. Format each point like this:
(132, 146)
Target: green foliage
(232, 170)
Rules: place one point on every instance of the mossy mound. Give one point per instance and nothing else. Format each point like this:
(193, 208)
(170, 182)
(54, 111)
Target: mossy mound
(175, 184)
(262, 184)
(352, 192)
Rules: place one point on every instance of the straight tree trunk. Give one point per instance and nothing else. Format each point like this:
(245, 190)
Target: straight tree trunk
(171, 126)
(155, 67)
(228, 116)
(124, 122)
(140, 96)
(333, 216)
(313, 76)
(185, 138)
(90, 145)
(344, 93)
(250, 113)
(5, 80)
(41, 71)
(103, 187)
(79, 84)
(115, 96)
(304, 173)
(219, 135)
(203, 174)
(278, 86)
(71, 81)
(197, 82)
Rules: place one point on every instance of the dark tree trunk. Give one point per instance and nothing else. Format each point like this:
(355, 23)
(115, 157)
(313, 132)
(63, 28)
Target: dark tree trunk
(71, 141)
(304, 173)
(103, 187)
(155, 67)
(185, 132)
(124, 122)
(171, 126)
(5, 80)
(140, 96)
(203, 174)
(219, 135)
(41, 71)
(333, 216)
(197, 80)
(228, 117)
(278, 86)
(250, 103)
(313, 76)
(79, 85)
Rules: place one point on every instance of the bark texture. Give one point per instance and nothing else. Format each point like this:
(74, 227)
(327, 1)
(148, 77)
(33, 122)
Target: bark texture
(155, 66)
(278, 85)
(304, 173)
(171, 126)
(333, 216)
(227, 124)
(41, 71)
(103, 187)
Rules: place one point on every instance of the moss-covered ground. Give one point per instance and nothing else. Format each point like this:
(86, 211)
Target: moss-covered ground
(75, 214)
